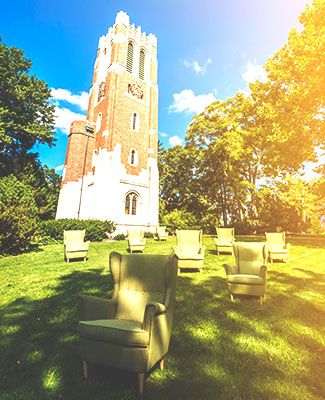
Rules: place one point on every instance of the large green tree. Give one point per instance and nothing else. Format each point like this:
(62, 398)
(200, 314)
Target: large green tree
(267, 135)
(26, 115)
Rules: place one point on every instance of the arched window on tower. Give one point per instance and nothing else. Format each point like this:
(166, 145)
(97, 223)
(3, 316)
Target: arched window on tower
(129, 58)
(98, 122)
(131, 203)
(141, 64)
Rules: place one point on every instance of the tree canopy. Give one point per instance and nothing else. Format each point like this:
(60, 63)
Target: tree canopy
(26, 115)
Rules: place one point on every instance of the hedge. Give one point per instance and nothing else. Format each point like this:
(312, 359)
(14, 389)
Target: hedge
(96, 230)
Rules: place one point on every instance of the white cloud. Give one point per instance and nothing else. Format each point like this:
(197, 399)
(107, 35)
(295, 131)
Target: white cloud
(254, 72)
(59, 168)
(175, 141)
(188, 101)
(64, 117)
(80, 100)
(196, 67)
(163, 134)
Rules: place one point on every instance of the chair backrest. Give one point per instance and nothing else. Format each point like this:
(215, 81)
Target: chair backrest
(135, 235)
(250, 256)
(275, 240)
(225, 233)
(161, 230)
(74, 236)
(139, 279)
(193, 237)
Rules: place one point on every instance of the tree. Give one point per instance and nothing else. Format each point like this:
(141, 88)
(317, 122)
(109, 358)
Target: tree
(44, 182)
(268, 134)
(26, 116)
(178, 180)
(18, 215)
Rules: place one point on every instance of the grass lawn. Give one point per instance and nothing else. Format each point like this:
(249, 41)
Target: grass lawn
(218, 349)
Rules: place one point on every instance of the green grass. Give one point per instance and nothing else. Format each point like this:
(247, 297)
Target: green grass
(218, 350)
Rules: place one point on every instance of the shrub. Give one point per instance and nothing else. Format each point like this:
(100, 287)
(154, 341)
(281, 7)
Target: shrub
(120, 236)
(18, 215)
(149, 235)
(96, 230)
(177, 219)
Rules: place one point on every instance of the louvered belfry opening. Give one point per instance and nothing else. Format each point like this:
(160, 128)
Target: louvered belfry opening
(129, 59)
(141, 64)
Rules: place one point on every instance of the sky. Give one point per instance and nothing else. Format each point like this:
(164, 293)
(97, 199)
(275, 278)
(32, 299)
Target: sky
(207, 50)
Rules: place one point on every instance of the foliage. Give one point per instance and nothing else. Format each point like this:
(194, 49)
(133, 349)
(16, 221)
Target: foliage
(178, 180)
(26, 116)
(44, 181)
(178, 219)
(291, 205)
(218, 349)
(148, 235)
(96, 230)
(18, 215)
(119, 236)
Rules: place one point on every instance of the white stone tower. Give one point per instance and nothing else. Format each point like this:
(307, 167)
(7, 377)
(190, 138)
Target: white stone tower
(110, 170)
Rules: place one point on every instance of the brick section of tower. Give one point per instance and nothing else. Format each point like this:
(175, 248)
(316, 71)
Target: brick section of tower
(79, 151)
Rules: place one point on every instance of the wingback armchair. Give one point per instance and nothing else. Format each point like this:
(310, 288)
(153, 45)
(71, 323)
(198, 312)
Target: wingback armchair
(136, 240)
(74, 245)
(132, 330)
(189, 249)
(162, 234)
(225, 240)
(248, 276)
(277, 246)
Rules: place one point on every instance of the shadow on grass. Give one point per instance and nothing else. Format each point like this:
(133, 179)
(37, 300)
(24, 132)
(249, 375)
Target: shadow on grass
(218, 349)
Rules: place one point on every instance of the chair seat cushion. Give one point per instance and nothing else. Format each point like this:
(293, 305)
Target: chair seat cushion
(77, 246)
(189, 256)
(245, 279)
(223, 242)
(278, 251)
(119, 331)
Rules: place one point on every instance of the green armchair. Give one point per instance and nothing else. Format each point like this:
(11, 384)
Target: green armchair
(132, 330)
(278, 248)
(189, 249)
(161, 232)
(136, 240)
(225, 240)
(248, 276)
(74, 245)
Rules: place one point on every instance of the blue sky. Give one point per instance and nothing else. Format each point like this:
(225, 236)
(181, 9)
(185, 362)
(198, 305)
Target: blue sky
(206, 49)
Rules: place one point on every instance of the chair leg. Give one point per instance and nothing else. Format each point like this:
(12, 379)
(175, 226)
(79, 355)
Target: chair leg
(161, 364)
(85, 370)
(141, 383)
(261, 300)
(231, 297)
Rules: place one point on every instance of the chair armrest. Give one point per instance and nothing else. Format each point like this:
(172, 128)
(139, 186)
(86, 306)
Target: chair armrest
(96, 308)
(202, 250)
(175, 248)
(263, 272)
(230, 269)
(152, 309)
